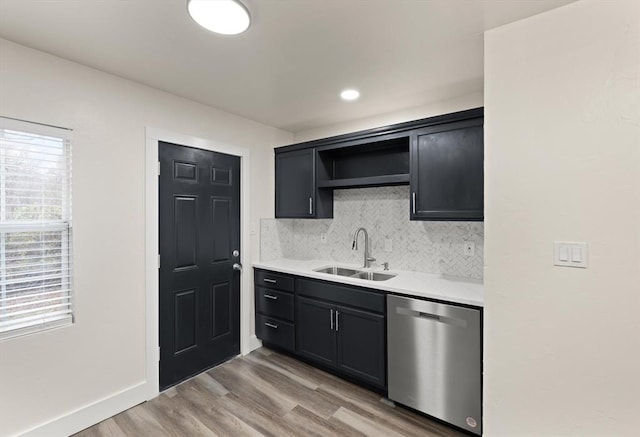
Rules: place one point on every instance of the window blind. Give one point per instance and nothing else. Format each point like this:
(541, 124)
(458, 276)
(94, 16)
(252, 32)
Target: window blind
(35, 227)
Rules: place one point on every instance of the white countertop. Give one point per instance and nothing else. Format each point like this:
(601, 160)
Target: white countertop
(446, 288)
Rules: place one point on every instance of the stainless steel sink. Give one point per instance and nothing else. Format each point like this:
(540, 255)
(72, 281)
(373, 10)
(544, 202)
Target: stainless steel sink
(340, 271)
(373, 276)
(351, 273)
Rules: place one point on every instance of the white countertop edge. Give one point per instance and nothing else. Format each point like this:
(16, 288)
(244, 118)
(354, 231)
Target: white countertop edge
(428, 285)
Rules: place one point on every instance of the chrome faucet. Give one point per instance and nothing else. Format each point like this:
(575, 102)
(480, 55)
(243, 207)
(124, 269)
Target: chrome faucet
(354, 246)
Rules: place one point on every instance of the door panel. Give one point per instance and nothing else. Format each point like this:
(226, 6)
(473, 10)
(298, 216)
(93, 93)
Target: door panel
(186, 320)
(185, 227)
(315, 334)
(220, 305)
(199, 290)
(221, 216)
(220, 176)
(185, 171)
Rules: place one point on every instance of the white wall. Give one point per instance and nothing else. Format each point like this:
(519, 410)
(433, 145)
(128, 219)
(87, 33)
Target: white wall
(460, 103)
(49, 374)
(562, 141)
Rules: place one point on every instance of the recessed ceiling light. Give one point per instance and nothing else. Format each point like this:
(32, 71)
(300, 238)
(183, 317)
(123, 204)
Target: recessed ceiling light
(350, 94)
(228, 17)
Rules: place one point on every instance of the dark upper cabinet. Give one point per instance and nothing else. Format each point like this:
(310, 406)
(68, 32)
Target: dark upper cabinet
(440, 157)
(361, 351)
(447, 179)
(296, 194)
(295, 183)
(315, 331)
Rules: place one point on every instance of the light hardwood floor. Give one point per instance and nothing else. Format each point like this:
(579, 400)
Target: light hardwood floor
(266, 393)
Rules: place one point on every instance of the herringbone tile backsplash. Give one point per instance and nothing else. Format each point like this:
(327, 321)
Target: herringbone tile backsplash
(432, 247)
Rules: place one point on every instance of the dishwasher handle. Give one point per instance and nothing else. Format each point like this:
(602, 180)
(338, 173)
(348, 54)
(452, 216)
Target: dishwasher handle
(430, 316)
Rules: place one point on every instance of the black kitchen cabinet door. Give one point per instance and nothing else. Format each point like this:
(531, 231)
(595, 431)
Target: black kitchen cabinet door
(315, 331)
(361, 345)
(295, 184)
(297, 195)
(447, 175)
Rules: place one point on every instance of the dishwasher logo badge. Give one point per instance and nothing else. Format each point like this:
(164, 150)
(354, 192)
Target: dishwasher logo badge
(472, 422)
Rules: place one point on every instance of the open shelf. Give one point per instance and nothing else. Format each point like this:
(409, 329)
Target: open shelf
(370, 181)
(379, 163)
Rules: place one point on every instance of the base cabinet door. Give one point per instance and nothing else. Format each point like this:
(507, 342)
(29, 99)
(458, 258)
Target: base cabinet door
(361, 345)
(315, 334)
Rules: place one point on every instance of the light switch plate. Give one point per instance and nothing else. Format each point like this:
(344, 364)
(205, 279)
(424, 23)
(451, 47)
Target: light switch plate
(570, 254)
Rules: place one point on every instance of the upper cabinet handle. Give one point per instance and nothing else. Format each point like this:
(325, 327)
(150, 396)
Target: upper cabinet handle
(310, 205)
(272, 281)
(413, 201)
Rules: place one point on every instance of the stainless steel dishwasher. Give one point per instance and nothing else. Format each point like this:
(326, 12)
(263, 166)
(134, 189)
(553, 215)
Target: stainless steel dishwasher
(434, 360)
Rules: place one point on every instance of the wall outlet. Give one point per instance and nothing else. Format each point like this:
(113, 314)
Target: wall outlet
(469, 248)
(323, 239)
(388, 245)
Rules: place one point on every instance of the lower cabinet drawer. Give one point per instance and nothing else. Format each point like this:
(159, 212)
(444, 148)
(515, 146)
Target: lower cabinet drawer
(356, 297)
(278, 281)
(276, 332)
(274, 303)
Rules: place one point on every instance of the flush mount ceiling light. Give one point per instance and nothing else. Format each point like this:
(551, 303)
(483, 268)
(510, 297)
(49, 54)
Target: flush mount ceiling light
(350, 94)
(228, 17)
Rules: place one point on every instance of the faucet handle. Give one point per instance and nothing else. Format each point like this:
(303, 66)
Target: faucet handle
(385, 266)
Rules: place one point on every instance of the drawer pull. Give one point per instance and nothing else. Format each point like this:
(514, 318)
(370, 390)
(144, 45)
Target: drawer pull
(271, 281)
(270, 296)
(271, 325)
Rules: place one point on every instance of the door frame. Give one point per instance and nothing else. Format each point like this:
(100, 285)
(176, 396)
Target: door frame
(152, 281)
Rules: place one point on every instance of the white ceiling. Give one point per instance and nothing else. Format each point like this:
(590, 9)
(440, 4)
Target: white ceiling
(288, 69)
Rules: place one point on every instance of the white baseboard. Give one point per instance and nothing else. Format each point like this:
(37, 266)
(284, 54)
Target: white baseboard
(254, 343)
(91, 414)
(102, 409)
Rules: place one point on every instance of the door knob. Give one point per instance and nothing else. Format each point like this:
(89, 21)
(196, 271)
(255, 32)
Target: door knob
(237, 266)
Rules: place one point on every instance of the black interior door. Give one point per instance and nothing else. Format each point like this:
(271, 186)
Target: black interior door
(199, 232)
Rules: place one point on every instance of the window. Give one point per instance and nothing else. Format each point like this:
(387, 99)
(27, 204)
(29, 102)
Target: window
(35, 227)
